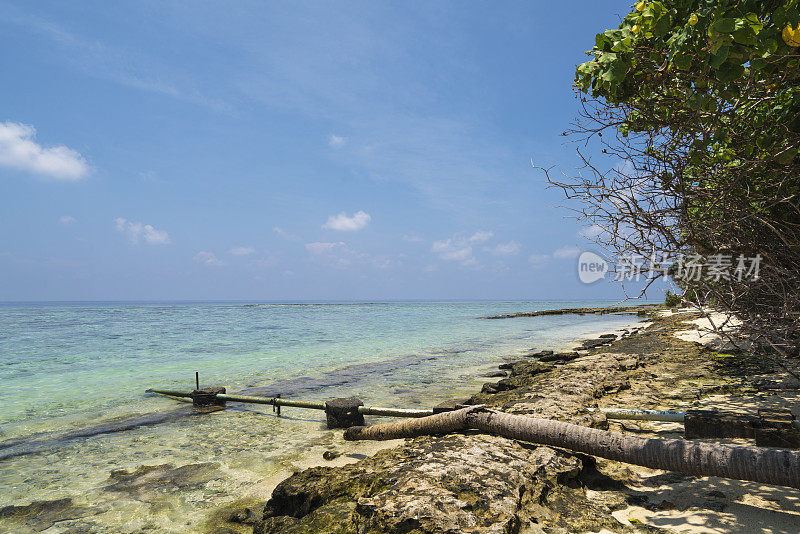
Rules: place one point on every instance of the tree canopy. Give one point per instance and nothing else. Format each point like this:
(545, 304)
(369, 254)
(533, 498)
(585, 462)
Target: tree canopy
(702, 100)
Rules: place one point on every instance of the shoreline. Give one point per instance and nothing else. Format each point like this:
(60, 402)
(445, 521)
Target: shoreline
(575, 492)
(360, 450)
(194, 466)
(329, 485)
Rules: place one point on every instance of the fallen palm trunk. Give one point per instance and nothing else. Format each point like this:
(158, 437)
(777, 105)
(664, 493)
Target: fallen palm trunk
(770, 466)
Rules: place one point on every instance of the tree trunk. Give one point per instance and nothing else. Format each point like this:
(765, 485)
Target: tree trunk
(770, 466)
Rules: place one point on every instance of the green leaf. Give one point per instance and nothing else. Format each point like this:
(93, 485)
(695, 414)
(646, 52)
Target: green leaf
(600, 40)
(753, 21)
(772, 45)
(682, 61)
(694, 101)
(726, 25)
(661, 27)
(708, 104)
(728, 72)
(745, 36)
(720, 57)
(623, 45)
(786, 157)
(616, 72)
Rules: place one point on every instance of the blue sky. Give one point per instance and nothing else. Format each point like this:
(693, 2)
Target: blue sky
(289, 151)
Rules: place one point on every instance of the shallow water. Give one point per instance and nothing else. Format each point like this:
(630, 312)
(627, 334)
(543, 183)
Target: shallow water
(74, 406)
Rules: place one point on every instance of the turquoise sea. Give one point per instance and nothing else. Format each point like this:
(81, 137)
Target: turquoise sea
(74, 407)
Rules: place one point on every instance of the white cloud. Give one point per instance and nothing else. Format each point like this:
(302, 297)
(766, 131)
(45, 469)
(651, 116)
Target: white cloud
(481, 236)
(506, 249)
(590, 232)
(340, 255)
(67, 220)
(452, 249)
(459, 248)
(412, 239)
(126, 66)
(337, 141)
(149, 176)
(284, 234)
(566, 252)
(321, 248)
(208, 258)
(241, 251)
(18, 150)
(539, 259)
(136, 231)
(264, 263)
(344, 223)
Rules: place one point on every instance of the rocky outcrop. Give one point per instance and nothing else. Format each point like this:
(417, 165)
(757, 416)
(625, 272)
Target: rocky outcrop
(567, 392)
(641, 309)
(454, 483)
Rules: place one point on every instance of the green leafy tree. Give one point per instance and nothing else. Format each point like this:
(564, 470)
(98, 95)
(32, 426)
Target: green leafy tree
(697, 104)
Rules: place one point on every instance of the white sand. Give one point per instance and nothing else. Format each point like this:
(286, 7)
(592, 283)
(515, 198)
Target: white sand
(712, 504)
(703, 330)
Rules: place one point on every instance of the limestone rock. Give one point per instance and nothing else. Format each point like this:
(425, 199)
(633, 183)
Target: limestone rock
(454, 483)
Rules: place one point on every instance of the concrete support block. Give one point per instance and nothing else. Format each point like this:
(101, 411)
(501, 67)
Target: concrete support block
(205, 397)
(343, 413)
(777, 429)
(714, 424)
(770, 428)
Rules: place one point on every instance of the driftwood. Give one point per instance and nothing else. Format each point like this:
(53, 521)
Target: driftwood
(769, 466)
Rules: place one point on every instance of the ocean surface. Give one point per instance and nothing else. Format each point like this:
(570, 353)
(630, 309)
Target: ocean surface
(74, 411)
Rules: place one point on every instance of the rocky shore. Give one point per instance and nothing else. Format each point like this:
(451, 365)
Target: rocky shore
(641, 309)
(478, 483)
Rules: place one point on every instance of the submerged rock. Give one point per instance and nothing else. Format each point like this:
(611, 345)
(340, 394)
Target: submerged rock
(330, 455)
(41, 515)
(148, 479)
